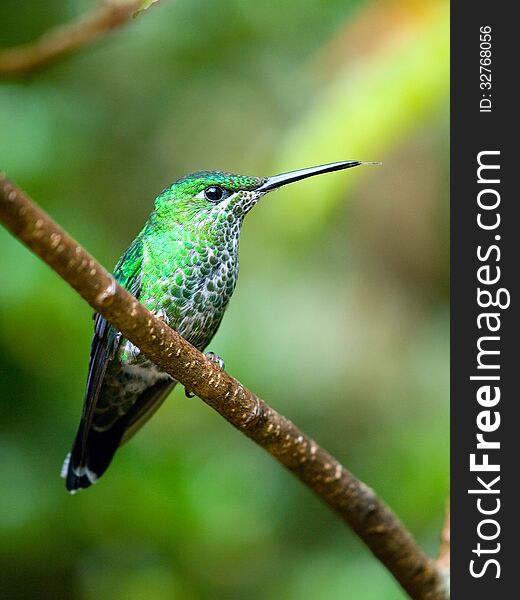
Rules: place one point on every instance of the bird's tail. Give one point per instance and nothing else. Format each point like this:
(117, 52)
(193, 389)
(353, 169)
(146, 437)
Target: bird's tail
(93, 450)
(90, 456)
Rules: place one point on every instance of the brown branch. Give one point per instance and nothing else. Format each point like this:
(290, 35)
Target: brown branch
(351, 499)
(65, 39)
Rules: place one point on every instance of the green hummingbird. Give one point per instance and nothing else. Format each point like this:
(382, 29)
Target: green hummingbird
(183, 266)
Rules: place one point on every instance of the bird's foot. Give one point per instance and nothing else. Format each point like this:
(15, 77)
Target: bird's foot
(162, 316)
(214, 358)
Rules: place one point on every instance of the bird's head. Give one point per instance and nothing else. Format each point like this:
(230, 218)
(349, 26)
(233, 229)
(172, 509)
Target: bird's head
(208, 197)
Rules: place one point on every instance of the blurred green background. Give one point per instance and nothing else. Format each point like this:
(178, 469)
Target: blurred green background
(339, 320)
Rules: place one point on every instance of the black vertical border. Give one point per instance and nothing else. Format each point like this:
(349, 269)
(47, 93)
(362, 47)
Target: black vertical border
(473, 131)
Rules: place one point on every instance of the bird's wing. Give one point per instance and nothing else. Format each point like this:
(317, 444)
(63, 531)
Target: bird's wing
(146, 406)
(106, 340)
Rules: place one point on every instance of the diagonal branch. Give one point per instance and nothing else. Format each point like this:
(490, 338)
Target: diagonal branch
(68, 38)
(353, 501)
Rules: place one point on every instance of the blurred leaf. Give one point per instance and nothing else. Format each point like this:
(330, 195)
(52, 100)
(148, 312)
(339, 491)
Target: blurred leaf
(377, 97)
(145, 4)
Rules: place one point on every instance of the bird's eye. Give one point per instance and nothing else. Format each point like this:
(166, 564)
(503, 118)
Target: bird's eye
(214, 193)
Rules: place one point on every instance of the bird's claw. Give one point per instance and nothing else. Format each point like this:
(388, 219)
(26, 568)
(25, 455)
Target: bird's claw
(162, 316)
(215, 359)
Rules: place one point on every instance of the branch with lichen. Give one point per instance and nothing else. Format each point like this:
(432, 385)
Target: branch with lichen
(353, 501)
(66, 39)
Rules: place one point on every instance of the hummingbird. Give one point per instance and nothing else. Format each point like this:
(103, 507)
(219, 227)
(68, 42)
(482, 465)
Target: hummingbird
(182, 266)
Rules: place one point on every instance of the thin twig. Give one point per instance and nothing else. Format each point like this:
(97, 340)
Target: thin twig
(66, 39)
(350, 498)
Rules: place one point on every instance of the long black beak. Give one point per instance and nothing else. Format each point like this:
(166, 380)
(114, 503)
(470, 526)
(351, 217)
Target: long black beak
(292, 176)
